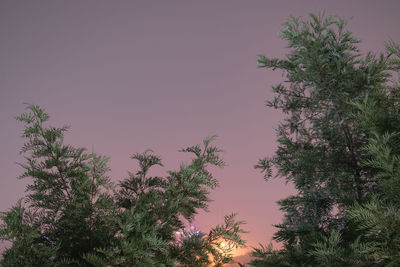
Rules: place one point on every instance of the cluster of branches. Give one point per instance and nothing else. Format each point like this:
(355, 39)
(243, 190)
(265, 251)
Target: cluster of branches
(74, 215)
(339, 146)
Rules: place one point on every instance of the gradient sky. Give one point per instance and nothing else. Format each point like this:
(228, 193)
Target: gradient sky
(132, 75)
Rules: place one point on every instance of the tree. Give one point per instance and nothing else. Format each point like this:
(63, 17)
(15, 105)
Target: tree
(68, 210)
(378, 220)
(73, 214)
(153, 209)
(321, 143)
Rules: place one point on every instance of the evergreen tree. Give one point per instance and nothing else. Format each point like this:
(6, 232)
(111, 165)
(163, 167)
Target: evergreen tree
(68, 210)
(378, 220)
(154, 209)
(74, 216)
(321, 143)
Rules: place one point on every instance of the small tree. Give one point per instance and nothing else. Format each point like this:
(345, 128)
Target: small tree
(67, 211)
(153, 209)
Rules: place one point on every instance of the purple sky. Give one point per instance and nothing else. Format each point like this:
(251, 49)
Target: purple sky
(132, 75)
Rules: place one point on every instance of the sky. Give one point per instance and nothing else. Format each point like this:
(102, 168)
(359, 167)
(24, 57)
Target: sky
(132, 75)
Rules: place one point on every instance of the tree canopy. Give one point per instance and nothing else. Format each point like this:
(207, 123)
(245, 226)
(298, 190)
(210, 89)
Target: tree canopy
(338, 146)
(73, 215)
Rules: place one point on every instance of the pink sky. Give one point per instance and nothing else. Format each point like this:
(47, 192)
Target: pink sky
(132, 75)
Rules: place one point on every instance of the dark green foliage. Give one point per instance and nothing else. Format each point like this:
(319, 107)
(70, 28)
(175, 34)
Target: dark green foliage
(378, 221)
(379, 224)
(153, 209)
(336, 103)
(30, 247)
(267, 256)
(195, 248)
(67, 199)
(74, 216)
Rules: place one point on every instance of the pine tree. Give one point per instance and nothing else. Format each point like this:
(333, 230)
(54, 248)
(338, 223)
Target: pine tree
(154, 209)
(378, 220)
(320, 143)
(67, 210)
(74, 215)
